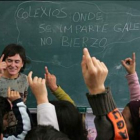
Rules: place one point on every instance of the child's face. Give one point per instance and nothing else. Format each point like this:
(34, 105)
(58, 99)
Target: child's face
(128, 120)
(5, 121)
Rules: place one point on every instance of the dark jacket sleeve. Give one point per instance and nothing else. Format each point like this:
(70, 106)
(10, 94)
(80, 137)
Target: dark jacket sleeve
(106, 117)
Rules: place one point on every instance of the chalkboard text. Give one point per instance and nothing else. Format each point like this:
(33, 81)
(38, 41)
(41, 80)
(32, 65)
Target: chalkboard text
(40, 12)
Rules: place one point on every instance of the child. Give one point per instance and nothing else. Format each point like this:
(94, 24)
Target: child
(108, 121)
(64, 111)
(132, 78)
(20, 112)
(42, 132)
(46, 114)
(131, 111)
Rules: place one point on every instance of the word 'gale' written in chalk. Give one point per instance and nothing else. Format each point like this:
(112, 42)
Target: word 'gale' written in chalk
(126, 27)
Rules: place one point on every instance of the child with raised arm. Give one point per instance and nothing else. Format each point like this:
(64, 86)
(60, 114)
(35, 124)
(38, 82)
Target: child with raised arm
(46, 114)
(132, 77)
(21, 114)
(109, 121)
(131, 110)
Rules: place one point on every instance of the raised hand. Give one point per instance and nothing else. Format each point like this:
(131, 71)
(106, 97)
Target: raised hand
(3, 65)
(50, 80)
(94, 73)
(38, 87)
(130, 64)
(13, 95)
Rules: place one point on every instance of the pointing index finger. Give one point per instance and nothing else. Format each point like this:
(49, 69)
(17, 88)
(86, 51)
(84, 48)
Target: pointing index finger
(1, 59)
(46, 70)
(88, 59)
(30, 77)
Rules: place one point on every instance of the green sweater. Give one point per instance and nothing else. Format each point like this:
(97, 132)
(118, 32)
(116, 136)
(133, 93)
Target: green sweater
(60, 94)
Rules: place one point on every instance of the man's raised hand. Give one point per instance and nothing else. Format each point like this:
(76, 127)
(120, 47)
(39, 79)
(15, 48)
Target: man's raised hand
(3, 65)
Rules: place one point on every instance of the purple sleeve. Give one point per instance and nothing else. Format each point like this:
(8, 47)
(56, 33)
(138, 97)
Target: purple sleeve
(134, 86)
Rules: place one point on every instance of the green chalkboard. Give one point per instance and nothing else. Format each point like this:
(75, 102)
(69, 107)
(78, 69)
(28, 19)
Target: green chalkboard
(54, 34)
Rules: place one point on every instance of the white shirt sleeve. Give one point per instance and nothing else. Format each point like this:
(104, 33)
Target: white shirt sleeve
(46, 115)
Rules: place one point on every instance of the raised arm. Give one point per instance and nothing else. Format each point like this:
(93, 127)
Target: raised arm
(20, 112)
(57, 91)
(132, 78)
(46, 114)
(101, 101)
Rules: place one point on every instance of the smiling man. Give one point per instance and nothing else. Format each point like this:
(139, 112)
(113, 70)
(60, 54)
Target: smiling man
(12, 64)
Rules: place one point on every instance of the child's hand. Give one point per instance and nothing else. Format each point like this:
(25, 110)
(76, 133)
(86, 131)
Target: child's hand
(50, 80)
(94, 73)
(13, 95)
(130, 64)
(38, 87)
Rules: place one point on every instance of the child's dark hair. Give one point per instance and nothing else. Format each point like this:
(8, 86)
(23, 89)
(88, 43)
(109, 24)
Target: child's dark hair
(4, 105)
(45, 133)
(70, 120)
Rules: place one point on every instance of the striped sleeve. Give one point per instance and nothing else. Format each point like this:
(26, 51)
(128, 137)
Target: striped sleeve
(23, 121)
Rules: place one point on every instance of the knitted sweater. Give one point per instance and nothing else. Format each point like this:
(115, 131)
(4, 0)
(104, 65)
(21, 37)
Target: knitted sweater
(109, 122)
